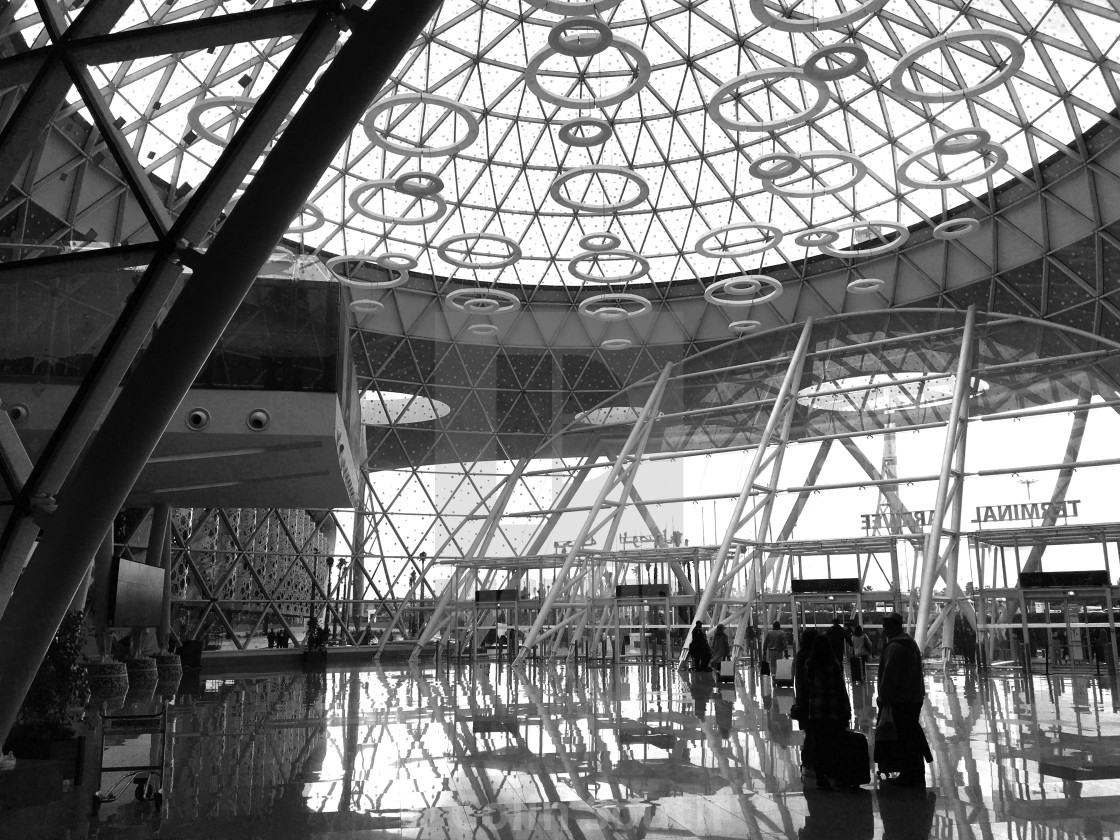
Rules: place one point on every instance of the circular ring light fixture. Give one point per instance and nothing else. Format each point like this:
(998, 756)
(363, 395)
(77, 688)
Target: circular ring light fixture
(556, 189)
(640, 271)
(614, 306)
(740, 288)
(816, 66)
(900, 229)
(956, 228)
(955, 142)
(393, 261)
(444, 251)
(642, 67)
(999, 160)
(365, 306)
(774, 165)
(483, 329)
(574, 132)
(574, 45)
(358, 205)
(811, 24)
(865, 285)
(600, 241)
(194, 117)
(859, 170)
(816, 237)
(990, 37)
(747, 250)
(564, 8)
(772, 74)
(482, 301)
(384, 261)
(379, 139)
(317, 219)
(418, 184)
(616, 344)
(744, 326)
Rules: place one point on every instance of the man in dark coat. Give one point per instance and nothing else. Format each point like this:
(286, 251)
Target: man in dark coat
(902, 687)
(699, 649)
(838, 639)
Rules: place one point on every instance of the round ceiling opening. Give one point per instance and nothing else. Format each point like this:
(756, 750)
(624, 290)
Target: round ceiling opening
(387, 408)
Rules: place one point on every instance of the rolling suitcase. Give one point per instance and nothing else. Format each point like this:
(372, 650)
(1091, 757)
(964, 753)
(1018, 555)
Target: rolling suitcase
(848, 763)
(783, 674)
(727, 671)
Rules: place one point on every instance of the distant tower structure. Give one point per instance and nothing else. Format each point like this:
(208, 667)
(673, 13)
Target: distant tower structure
(888, 515)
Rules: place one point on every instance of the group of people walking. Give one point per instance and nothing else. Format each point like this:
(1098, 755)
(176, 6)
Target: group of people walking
(706, 654)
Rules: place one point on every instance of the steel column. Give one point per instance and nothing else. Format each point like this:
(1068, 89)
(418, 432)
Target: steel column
(951, 477)
(98, 487)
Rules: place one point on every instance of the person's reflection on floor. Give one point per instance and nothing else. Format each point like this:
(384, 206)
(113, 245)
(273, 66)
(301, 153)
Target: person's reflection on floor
(701, 687)
(906, 813)
(835, 814)
(724, 709)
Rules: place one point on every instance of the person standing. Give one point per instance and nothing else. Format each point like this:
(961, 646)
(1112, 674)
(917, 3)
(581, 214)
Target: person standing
(699, 649)
(721, 646)
(902, 689)
(838, 639)
(774, 645)
(828, 711)
(859, 651)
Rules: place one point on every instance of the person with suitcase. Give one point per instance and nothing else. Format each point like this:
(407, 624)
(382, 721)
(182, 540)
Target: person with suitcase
(902, 690)
(774, 646)
(835, 751)
(699, 649)
(721, 654)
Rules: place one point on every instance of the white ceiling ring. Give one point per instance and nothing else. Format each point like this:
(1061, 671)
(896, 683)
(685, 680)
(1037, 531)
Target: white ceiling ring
(859, 170)
(642, 70)
(816, 66)
(317, 219)
(482, 301)
(742, 298)
(816, 237)
(772, 74)
(784, 165)
(564, 8)
(961, 141)
(866, 285)
(602, 240)
(616, 344)
(641, 271)
(419, 99)
(999, 160)
(991, 37)
(444, 251)
(358, 205)
(956, 228)
(483, 329)
(572, 133)
(365, 306)
(418, 184)
(615, 306)
(348, 259)
(775, 234)
(556, 189)
(393, 261)
(811, 24)
(567, 36)
(746, 284)
(194, 117)
(900, 229)
(745, 326)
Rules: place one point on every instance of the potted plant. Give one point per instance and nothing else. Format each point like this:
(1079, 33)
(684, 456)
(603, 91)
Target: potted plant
(315, 656)
(46, 727)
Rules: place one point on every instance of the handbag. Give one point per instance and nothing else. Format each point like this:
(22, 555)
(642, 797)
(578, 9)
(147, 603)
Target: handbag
(764, 669)
(885, 730)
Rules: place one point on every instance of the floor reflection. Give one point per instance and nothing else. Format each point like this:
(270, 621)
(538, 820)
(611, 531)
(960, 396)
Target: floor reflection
(629, 752)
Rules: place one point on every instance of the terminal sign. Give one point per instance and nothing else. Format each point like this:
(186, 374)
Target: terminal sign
(1021, 512)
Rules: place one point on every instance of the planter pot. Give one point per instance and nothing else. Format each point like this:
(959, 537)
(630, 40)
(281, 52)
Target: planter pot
(169, 666)
(107, 679)
(142, 674)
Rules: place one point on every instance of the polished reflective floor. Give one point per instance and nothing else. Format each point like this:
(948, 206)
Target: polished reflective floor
(488, 751)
